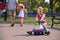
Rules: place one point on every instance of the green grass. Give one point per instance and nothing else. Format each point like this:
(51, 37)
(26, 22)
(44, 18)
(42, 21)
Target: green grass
(29, 20)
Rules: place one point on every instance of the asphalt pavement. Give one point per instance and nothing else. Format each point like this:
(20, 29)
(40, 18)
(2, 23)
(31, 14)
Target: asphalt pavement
(19, 33)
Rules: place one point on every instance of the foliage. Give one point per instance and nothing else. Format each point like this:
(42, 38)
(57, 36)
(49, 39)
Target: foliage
(56, 5)
(45, 9)
(34, 4)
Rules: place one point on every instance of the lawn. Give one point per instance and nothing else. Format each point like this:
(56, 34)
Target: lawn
(29, 20)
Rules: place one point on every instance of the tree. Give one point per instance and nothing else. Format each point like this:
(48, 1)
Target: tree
(55, 5)
(34, 4)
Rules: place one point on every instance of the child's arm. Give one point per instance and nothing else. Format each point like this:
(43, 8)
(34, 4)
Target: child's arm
(24, 8)
(43, 17)
(36, 18)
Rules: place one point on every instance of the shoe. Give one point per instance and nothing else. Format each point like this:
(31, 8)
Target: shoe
(29, 32)
(12, 24)
(47, 32)
(21, 25)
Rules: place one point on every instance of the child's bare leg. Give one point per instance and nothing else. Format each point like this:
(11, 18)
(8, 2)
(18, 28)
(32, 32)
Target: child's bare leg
(45, 26)
(21, 21)
(47, 31)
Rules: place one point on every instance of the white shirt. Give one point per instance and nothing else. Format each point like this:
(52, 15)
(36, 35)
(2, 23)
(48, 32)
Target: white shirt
(12, 4)
(4, 10)
(21, 13)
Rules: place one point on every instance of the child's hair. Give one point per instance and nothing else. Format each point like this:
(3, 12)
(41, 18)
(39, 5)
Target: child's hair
(40, 8)
(21, 6)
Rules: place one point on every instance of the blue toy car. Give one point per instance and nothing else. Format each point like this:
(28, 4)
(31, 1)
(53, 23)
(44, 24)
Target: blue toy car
(38, 30)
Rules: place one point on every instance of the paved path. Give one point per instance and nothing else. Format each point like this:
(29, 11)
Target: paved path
(19, 33)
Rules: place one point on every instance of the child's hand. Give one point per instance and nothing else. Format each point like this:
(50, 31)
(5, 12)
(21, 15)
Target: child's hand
(38, 22)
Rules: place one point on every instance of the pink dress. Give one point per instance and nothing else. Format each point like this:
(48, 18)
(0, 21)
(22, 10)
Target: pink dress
(21, 16)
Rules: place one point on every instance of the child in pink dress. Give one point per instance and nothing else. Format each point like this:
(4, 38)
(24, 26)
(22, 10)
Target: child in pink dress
(21, 15)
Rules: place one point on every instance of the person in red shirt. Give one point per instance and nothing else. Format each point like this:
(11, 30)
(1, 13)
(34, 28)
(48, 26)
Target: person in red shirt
(1, 6)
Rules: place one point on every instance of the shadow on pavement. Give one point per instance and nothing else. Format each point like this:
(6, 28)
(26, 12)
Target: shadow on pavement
(26, 35)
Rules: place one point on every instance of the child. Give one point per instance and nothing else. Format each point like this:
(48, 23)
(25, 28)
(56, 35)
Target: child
(21, 15)
(40, 18)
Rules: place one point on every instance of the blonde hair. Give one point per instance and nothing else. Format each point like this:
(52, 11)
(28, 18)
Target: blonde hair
(40, 9)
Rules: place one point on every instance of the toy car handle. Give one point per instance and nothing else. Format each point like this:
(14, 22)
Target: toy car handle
(38, 21)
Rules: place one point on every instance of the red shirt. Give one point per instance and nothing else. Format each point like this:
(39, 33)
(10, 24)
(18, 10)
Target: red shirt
(40, 16)
(1, 6)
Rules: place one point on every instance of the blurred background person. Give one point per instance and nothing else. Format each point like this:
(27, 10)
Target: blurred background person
(11, 6)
